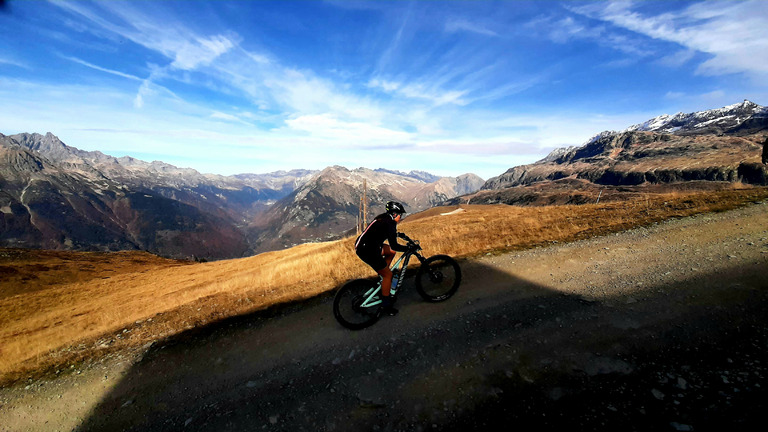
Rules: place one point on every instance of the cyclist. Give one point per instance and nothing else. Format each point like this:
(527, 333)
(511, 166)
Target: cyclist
(370, 247)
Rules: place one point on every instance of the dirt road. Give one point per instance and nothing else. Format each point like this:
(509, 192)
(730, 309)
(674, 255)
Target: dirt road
(659, 328)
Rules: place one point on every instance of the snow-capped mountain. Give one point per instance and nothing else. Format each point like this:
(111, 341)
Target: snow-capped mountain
(715, 145)
(744, 117)
(704, 122)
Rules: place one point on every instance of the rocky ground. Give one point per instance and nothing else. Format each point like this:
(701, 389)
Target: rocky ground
(658, 328)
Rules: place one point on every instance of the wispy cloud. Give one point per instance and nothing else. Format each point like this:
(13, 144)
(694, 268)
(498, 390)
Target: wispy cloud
(431, 93)
(151, 28)
(12, 62)
(260, 75)
(734, 34)
(565, 30)
(185, 49)
(462, 25)
(200, 51)
(458, 82)
(677, 59)
(99, 68)
(328, 126)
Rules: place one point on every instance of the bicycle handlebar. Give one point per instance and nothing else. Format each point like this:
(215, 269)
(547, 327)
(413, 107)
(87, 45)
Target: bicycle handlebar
(411, 243)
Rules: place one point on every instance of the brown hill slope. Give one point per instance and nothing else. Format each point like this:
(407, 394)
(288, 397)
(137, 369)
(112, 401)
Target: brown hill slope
(63, 315)
(634, 162)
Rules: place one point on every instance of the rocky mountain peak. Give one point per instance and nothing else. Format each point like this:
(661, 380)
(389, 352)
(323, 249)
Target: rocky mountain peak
(418, 175)
(702, 122)
(89, 200)
(48, 144)
(717, 145)
(741, 118)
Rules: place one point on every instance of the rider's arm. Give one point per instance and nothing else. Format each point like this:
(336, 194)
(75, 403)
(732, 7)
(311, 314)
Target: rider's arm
(392, 240)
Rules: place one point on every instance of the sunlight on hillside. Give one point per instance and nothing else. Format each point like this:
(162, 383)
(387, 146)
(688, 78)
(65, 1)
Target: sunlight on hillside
(58, 323)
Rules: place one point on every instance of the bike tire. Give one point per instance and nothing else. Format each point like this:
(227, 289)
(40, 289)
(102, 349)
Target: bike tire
(438, 278)
(346, 305)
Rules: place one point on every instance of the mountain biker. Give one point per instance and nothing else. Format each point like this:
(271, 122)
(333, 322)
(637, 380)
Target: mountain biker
(370, 247)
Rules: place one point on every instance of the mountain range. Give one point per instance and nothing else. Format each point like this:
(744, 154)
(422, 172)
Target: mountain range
(59, 197)
(56, 196)
(701, 149)
(327, 204)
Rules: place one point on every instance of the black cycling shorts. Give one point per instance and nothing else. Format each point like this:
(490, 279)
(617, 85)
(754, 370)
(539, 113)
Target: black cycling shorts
(372, 257)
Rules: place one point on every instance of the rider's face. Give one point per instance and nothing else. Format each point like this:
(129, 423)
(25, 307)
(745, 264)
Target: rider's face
(398, 217)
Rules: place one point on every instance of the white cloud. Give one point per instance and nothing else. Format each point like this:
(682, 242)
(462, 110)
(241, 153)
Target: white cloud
(99, 68)
(431, 94)
(457, 25)
(200, 51)
(12, 62)
(387, 86)
(263, 78)
(674, 95)
(223, 116)
(566, 30)
(716, 95)
(677, 59)
(434, 95)
(158, 32)
(735, 34)
(356, 133)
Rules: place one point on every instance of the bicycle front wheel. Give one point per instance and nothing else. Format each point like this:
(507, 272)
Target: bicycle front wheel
(438, 278)
(348, 307)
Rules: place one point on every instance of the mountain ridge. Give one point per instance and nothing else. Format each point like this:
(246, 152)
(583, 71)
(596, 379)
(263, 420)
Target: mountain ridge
(49, 189)
(327, 206)
(718, 147)
(733, 118)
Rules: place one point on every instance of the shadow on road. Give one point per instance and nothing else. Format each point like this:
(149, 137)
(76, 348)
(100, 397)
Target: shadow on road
(498, 355)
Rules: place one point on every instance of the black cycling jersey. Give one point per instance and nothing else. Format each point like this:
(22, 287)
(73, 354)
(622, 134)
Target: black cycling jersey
(383, 228)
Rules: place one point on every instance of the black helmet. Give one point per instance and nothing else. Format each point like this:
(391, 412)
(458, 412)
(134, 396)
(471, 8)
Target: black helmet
(395, 207)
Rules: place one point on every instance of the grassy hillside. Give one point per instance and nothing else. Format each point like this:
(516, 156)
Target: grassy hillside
(63, 307)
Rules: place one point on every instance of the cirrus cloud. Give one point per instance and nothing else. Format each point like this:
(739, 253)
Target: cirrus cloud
(733, 34)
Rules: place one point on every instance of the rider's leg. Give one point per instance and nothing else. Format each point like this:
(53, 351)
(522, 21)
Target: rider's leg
(386, 273)
(386, 300)
(388, 254)
(386, 280)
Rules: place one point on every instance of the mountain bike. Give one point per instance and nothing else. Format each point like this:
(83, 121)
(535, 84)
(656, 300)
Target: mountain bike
(357, 304)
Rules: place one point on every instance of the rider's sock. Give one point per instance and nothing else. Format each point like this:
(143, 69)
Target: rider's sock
(386, 305)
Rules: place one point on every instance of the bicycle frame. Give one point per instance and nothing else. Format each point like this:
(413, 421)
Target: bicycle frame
(372, 297)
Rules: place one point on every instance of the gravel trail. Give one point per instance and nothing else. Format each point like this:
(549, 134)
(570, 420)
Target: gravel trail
(657, 328)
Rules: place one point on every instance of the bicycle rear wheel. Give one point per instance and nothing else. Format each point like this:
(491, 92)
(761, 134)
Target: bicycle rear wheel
(438, 278)
(347, 305)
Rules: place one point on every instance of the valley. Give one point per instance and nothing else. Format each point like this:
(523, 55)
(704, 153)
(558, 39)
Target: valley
(55, 196)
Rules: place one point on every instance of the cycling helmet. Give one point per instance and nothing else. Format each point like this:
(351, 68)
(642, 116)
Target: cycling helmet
(395, 207)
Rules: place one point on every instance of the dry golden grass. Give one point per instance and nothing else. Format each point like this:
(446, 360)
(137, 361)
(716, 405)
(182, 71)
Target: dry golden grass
(46, 324)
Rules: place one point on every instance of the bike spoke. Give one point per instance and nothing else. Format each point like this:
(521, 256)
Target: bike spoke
(438, 278)
(356, 304)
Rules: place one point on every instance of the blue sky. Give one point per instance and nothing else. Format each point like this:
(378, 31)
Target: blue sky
(449, 87)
